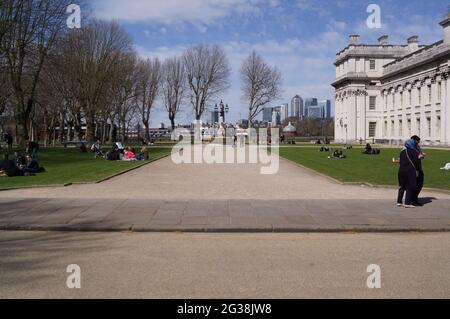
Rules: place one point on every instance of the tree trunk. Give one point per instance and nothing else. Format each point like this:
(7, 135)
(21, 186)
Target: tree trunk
(69, 130)
(111, 129)
(62, 126)
(123, 133)
(90, 128)
(147, 131)
(22, 128)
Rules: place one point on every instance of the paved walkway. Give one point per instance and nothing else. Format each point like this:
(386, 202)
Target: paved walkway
(163, 196)
(186, 266)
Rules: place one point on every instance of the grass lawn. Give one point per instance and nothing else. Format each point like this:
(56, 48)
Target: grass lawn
(71, 166)
(378, 170)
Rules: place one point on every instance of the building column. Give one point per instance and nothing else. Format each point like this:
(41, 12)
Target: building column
(445, 117)
(361, 101)
(352, 119)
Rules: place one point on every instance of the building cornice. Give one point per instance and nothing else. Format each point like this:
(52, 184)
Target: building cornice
(415, 59)
(374, 51)
(359, 77)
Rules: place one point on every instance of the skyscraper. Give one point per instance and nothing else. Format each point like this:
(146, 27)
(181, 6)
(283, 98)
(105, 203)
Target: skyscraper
(214, 117)
(297, 107)
(267, 114)
(284, 111)
(315, 112)
(310, 102)
(326, 105)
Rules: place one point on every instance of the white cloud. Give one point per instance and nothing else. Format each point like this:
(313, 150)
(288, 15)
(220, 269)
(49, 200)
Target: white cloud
(172, 11)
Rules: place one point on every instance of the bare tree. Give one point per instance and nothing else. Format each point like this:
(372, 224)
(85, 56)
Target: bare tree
(125, 92)
(174, 86)
(148, 87)
(34, 26)
(261, 84)
(90, 58)
(208, 73)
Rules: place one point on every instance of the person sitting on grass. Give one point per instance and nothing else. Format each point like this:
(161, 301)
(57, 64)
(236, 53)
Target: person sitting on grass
(31, 167)
(368, 149)
(129, 155)
(371, 151)
(19, 159)
(9, 167)
(143, 154)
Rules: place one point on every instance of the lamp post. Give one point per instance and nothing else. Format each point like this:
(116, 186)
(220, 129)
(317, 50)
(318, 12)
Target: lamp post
(222, 109)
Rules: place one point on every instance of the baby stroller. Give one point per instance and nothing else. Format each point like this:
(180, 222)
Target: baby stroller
(96, 149)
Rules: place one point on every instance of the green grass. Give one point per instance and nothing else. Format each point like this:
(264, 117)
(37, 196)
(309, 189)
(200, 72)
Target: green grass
(377, 170)
(69, 165)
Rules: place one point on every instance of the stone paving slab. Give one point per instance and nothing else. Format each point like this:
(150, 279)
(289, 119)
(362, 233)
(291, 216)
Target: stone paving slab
(222, 216)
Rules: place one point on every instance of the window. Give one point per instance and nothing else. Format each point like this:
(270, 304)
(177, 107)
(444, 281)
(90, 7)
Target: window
(419, 95)
(438, 128)
(400, 128)
(409, 127)
(372, 129)
(418, 126)
(372, 102)
(393, 100)
(410, 97)
(385, 101)
(429, 127)
(429, 93)
(372, 64)
(401, 99)
(392, 129)
(385, 128)
(439, 91)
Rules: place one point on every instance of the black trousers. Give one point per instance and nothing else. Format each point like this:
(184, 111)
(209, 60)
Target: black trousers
(408, 183)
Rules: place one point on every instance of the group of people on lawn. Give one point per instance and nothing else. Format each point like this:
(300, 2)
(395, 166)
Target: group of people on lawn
(120, 153)
(20, 165)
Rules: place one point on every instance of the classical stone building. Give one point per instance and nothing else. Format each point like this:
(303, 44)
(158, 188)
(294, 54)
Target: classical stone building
(388, 93)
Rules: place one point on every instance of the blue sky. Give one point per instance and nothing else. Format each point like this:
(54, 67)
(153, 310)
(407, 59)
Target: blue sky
(300, 37)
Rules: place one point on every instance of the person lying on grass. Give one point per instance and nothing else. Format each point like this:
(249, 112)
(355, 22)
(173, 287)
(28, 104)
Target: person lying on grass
(338, 154)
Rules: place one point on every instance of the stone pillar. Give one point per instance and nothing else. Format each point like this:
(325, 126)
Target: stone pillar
(361, 102)
(445, 117)
(352, 120)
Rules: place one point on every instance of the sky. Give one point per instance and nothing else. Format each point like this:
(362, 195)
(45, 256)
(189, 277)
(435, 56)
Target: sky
(299, 37)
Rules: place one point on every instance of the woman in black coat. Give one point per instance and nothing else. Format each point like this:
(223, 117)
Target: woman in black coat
(408, 174)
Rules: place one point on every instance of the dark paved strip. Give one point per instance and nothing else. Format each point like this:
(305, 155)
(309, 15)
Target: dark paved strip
(222, 215)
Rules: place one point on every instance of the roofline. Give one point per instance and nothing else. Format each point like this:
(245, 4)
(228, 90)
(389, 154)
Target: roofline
(415, 52)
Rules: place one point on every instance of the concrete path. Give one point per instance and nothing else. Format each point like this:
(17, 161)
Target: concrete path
(221, 215)
(116, 265)
(164, 196)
